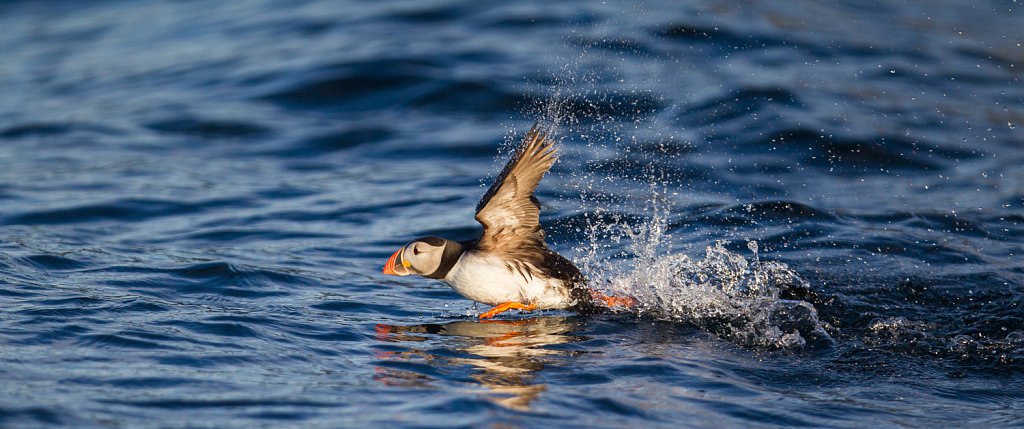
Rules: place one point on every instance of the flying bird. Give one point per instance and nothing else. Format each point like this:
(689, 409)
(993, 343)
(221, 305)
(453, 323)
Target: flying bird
(509, 266)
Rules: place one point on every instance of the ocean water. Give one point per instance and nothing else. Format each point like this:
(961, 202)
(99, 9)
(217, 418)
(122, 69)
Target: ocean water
(818, 205)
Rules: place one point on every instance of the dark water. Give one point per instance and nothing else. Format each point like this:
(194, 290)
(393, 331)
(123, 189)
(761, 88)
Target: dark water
(197, 197)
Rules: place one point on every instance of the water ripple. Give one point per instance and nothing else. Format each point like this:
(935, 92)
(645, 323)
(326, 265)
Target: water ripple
(819, 206)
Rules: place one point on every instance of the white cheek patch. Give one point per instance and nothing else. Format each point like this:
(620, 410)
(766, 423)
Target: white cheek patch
(431, 260)
(422, 258)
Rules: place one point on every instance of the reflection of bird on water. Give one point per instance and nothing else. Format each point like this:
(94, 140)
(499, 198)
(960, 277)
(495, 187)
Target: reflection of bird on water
(509, 266)
(508, 352)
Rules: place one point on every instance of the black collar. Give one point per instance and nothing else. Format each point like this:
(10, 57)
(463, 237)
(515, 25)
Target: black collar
(451, 254)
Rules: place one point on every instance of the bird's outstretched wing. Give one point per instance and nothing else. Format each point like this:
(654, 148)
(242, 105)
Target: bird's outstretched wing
(508, 211)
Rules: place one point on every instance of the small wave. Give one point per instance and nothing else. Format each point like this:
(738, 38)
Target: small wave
(867, 154)
(120, 340)
(46, 129)
(210, 128)
(120, 209)
(336, 141)
(354, 84)
(739, 104)
(218, 281)
(53, 261)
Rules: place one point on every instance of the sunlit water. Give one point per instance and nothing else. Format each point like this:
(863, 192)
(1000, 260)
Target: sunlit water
(818, 207)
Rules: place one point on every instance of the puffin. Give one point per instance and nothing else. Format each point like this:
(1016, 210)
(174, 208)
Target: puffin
(509, 267)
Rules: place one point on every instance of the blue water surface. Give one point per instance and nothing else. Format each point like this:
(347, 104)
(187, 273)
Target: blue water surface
(197, 198)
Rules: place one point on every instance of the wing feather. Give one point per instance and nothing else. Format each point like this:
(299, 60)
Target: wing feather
(508, 210)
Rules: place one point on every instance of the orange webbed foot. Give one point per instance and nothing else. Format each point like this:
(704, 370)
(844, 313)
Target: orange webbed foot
(614, 301)
(506, 307)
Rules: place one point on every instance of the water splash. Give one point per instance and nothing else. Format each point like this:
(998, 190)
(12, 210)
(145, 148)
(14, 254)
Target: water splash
(723, 293)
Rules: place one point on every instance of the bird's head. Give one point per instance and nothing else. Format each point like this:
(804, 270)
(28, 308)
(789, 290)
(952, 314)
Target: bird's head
(429, 257)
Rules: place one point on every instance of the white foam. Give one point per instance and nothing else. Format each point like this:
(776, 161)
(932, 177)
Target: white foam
(722, 292)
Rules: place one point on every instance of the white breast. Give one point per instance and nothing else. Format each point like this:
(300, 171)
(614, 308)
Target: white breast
(487, 279)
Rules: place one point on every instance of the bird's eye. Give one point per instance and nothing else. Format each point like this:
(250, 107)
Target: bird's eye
(415, 250)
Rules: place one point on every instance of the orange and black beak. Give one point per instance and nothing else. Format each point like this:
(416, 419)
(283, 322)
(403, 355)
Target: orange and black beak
(396, 265)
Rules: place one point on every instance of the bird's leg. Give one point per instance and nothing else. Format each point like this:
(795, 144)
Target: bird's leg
(506, 307)
(613, 301)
